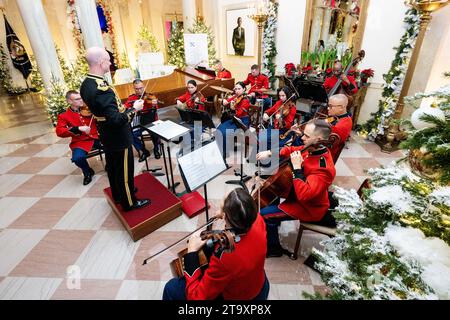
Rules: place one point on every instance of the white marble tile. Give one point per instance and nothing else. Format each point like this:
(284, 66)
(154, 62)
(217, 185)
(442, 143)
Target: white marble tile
(315, 277)
(386, 161)
(86, 214)
(289, 291)
(54, 151)
(26, 131)
(218, 189)
(141, 290)
(61, 166)
(18, 288)
(8, 163)
(182, 223)
(9, 182)
(361, 178)
(15, 245)
(11, 208)
(354, 150)
(49, 138)
(342, 170)
(71, 187)
(108, 255)
(8, 148)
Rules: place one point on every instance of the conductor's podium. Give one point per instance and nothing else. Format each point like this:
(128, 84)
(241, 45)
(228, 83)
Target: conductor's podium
(164, 207)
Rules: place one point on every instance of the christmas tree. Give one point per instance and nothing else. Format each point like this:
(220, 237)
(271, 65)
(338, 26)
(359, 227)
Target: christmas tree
(393, 243)
(124, 61)
(36, 78)
(77, 72)
(175, 46)
(429, 143)
(201, 27)
(62, 63)
(146, 41)
(5, 75)
(55, 100)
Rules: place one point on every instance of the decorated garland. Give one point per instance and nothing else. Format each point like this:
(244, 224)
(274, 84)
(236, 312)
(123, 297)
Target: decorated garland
(394, 80)
(268, 43)
(5, 75)
(392, 244)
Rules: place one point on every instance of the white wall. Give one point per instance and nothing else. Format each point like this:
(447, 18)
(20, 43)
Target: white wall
(291, 17)
(384, 28)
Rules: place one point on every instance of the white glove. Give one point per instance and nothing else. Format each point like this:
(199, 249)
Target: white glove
(278, 116)
(85, 129)
(263, 155)
(138, 105)
(266, 117)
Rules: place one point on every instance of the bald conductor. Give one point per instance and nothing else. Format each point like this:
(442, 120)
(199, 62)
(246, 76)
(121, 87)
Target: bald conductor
(113, 122)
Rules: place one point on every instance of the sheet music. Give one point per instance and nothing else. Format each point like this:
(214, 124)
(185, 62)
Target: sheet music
(202, 165)
(169, 130)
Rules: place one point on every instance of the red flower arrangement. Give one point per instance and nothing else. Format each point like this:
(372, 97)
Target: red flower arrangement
(289, 67)
(367, 73)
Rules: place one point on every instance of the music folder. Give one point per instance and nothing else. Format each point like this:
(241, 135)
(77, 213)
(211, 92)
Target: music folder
(201, 166)
(168, 130)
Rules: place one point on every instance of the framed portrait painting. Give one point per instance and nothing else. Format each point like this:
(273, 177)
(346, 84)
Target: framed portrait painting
(241, 32)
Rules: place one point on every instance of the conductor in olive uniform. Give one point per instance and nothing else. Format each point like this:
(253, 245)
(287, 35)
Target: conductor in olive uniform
(113, 122)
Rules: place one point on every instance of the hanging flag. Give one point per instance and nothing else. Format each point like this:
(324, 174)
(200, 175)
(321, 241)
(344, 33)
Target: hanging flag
(17, 51)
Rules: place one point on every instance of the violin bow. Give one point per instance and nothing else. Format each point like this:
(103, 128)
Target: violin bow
(211, 221)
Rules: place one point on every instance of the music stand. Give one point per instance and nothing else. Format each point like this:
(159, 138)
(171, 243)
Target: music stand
(189, 116)
(168, 131)
(201, 166)
(243, 178)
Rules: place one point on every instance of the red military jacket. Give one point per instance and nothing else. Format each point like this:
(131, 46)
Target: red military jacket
(287, 121)
(223, 74)
(351, 88)
(69, 120)
(308, 199)
(147, 104)
(238, 275)
(241, 107)
(342, 127)
(261, 81)
(190, 103)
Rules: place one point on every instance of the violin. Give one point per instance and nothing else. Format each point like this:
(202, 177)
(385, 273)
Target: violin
(151, 99)
(226, 239)
(280, 184)
(84, 111)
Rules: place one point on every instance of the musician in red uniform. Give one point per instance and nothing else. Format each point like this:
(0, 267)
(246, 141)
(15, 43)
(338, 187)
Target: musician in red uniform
(82, 130)
(259, 84)
(222, 73)
(342, 125)
(192, 99)
(282, 118)
(150, 107)
(348, 82)
(238, 105)
(236, 275)
(313, 173)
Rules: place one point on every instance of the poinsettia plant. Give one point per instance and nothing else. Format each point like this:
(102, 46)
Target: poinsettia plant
(367, 73)
(289, 67)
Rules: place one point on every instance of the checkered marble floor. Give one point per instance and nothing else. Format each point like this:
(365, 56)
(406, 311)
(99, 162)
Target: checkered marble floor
(54, 230)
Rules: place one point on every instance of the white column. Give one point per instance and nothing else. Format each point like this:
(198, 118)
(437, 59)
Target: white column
(325, 26)
(89, 24)
(189, 13)
(38, 32)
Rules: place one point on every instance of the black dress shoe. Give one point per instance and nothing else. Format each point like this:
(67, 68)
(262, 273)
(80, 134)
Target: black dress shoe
(157, 153)
(145, 154)
(274, 251)
(91, 171)
(87, 179)
(139, 204)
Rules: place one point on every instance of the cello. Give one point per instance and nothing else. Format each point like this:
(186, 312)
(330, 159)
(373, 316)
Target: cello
(280, 184)
(338, 88)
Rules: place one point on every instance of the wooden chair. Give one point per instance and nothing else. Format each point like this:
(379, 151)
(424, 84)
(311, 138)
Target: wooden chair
(96, 152)
(328, 231)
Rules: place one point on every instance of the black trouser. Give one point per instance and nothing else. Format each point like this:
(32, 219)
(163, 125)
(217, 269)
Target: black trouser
(120, 169)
